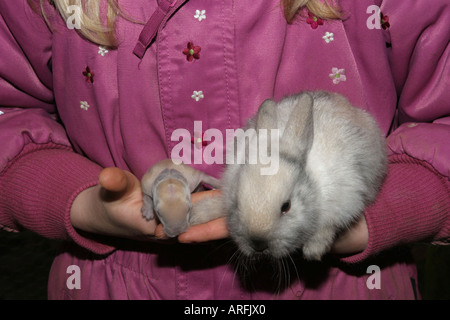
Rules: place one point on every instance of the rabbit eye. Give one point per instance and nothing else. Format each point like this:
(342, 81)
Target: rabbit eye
(285, 207)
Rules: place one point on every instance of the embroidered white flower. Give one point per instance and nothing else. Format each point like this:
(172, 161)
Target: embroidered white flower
(200, 15)
(84, 105)
(328, 37)
(1, 113)
(337, 75)
(102, 50)
(412, 125)
(197, 95)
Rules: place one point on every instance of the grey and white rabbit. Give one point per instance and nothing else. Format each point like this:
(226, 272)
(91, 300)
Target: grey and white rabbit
(332, 162)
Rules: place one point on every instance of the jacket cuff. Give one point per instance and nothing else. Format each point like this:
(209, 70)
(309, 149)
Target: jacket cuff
(37, 190)
(413, 205)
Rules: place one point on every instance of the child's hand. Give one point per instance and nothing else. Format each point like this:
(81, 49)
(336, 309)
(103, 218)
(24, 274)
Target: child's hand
(354, 240)
(113, 207)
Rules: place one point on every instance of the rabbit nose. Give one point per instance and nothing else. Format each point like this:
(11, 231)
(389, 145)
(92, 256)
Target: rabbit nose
(258, 244)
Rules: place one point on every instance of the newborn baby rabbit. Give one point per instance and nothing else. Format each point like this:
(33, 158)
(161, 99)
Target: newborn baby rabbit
(167, 189)
(332, 162)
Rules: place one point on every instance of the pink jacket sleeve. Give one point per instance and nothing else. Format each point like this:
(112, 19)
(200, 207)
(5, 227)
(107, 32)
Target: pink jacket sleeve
(420, 61)
(40, 175)
(414, 203)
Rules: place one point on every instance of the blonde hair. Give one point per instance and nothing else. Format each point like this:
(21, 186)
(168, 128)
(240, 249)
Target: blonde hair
(101, 29)
(321, 9)
(96, 25)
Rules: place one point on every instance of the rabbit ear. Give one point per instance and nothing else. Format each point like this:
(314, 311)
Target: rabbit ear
(267, 130)
(266, 117)
(299, 133)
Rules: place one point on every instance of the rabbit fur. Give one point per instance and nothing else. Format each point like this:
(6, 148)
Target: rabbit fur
(332, 162)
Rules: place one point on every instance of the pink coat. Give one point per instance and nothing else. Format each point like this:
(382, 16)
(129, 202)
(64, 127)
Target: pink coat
(69, 107)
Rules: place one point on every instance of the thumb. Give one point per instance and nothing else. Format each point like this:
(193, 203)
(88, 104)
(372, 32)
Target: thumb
(116, 183)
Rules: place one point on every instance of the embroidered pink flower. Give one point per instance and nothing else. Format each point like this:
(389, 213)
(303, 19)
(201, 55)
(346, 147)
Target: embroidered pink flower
(192, 52)
(384, 20)
(337, 75)
(89, 75)
(314, 21)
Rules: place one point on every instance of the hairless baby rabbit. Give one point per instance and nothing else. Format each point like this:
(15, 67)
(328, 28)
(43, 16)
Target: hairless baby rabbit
(167, 189)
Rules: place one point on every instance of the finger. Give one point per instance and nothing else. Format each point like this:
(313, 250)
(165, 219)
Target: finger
(113, 179)
(198, 196)
(212, 230)
(159, 232)
(117, 183)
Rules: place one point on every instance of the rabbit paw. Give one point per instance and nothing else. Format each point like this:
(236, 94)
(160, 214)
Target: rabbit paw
(147, 213)
(320, 243)
(317, 247)
(314, 251)
(147, 208)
